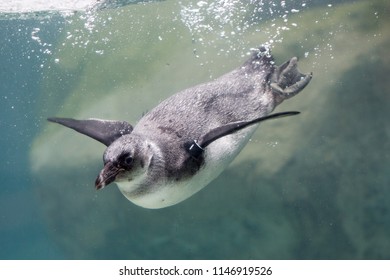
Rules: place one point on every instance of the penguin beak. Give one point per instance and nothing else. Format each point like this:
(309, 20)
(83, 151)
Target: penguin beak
(107, 175)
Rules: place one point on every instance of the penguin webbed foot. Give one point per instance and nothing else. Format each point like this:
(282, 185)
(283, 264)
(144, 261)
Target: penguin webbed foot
(287, 81)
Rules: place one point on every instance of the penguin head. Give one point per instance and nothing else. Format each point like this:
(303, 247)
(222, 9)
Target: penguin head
(127, 159)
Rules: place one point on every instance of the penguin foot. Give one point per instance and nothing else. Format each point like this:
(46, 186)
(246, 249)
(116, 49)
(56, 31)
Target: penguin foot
(287, 81)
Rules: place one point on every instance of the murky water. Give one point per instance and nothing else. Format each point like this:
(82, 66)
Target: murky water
(313, 187)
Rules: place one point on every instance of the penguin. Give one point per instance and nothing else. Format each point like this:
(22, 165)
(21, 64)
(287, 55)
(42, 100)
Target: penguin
(187, 140)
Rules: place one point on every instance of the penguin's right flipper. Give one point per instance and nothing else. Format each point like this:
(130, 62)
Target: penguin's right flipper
(104, 131)
(196, 147)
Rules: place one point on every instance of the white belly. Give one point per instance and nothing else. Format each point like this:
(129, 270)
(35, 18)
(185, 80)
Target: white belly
(218, 156)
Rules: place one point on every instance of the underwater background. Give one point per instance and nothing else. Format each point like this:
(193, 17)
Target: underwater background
(316, 186)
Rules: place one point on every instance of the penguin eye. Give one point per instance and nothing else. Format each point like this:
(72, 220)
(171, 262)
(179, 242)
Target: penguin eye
(128, 160)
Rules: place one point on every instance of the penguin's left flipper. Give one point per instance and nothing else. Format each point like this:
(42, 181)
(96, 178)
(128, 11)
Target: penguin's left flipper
(104, 131)
(196, 147)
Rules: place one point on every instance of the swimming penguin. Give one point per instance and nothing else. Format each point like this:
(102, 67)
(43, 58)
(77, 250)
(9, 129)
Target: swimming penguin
(186, 141)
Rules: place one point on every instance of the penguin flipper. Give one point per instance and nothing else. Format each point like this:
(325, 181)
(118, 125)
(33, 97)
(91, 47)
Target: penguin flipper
(104, 131)
(196, 148)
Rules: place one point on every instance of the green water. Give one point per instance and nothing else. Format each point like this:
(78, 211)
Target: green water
(311, 187)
